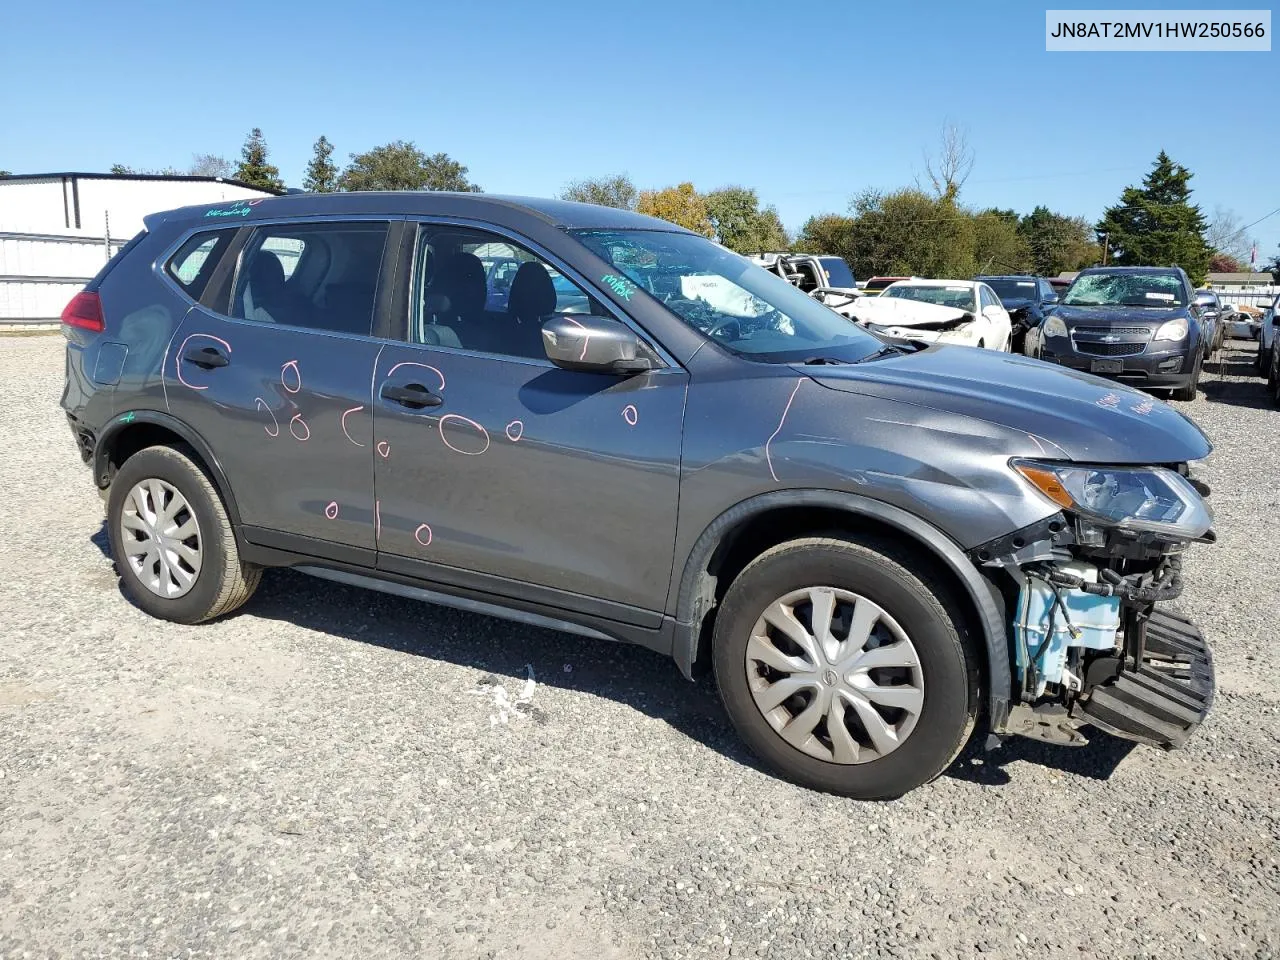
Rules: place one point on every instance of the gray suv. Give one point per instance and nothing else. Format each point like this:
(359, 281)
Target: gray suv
(642, 437)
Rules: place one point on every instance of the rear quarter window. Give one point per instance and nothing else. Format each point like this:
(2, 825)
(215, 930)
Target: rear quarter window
(194, 262)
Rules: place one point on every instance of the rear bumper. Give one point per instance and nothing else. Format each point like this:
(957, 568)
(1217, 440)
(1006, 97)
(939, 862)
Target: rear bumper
(1167, 698)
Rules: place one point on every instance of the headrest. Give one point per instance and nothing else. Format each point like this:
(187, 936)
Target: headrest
(266, 275)
(462, 281)
(533, 295)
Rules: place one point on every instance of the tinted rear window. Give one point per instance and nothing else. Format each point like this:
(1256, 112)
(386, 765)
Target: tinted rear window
(194, 263)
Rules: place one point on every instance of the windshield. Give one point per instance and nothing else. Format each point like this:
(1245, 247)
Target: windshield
(1158, 290)
(838, 273)
(1009, 289)
(729, 299)
(961, 298)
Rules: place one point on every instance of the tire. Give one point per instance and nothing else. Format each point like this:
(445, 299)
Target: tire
(1264, 360)
(181, 592)
(939, 677)
(1188, 392)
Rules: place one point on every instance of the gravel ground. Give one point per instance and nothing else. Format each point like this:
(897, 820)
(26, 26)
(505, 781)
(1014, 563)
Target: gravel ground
(328, 774)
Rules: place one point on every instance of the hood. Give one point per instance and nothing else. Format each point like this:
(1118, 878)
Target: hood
(1116, 316)
(900, 312)
(1073, 415)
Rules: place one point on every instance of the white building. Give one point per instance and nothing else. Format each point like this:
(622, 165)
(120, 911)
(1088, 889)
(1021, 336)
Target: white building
(58, 229)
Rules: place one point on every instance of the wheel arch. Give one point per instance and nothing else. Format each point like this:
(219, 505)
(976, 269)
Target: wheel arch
(139, 429)
(744, 530)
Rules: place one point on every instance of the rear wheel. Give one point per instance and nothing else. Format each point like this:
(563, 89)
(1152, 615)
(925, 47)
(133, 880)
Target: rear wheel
(841, 670)
(172, 540)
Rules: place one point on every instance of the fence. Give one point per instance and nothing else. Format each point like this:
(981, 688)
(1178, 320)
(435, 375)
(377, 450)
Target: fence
(1259, 296)
(40, 272)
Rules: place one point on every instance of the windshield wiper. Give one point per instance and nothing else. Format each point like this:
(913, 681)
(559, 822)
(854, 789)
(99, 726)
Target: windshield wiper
(887, 350)
(822, 361)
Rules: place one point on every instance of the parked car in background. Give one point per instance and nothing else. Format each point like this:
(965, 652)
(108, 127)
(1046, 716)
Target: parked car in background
(1267, 335)
(1211, 318)
(824, 277)
(873, 547)
(963, 312)
(1059, 284)
(1027, 298)
(1273, 357)
(877, 285)
(1242, 322)
(1135, 324)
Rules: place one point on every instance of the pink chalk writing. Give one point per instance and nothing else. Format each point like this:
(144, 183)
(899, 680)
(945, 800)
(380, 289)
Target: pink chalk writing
(177, 363)
(377, 519)
(787, 409)
(467, 420)
(417, 534)
(331, 511)
(384, 449)
(262, 405)
(424, 366)
(306, 435)
(297, 376)
(583, 356)
(345, 413)
(631, 414)
(515, 430)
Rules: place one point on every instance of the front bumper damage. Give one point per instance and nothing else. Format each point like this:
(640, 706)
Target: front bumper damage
(1109, 657)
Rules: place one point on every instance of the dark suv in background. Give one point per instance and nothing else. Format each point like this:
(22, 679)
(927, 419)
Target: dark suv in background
(1136, 324)
(1028, 300)
(644, 438)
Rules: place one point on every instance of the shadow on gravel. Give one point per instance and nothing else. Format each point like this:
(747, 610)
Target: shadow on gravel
(641, 679)
(1097, 760)
(1236, 380)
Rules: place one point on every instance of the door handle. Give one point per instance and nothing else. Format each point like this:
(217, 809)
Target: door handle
(412, 395)
(206, 357)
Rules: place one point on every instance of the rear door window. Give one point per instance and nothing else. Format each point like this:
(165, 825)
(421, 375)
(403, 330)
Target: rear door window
(322, 276)
(194, 263)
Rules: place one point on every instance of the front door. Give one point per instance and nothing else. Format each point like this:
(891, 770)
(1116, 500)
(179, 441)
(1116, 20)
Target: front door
(545, 484)
(279, 384)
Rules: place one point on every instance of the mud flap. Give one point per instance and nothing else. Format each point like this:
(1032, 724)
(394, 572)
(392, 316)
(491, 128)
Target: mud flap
(1167, 697)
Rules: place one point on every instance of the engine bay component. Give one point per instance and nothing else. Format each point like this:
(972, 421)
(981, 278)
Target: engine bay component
(1056, 623)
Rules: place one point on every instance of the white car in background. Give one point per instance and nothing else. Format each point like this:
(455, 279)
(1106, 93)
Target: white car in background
(965, 312)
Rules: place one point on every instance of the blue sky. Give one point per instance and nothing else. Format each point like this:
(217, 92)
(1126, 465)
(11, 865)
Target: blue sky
(807, 103)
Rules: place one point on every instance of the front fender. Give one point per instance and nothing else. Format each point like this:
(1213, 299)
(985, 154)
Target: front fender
(696, 594)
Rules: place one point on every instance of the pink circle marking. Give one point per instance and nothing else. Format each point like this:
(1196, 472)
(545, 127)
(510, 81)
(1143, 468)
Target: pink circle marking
(262, 405)
(384, 449)
(631, 414)
(297, 418)
(331, 511)
(296, 372)
(417, 534)
(424, 366)
(470, 453)
(344, 425)
(177, 362)
(515, 430)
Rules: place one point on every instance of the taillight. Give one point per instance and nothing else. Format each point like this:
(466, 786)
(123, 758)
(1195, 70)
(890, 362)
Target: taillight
(84, 311)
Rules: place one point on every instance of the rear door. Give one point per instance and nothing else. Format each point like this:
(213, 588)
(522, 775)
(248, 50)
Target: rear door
(498, 470)
(274, 371)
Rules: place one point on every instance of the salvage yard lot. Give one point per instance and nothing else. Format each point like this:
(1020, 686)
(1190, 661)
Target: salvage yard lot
(327, 772)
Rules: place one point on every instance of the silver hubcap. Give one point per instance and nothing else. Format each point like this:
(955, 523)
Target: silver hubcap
(161, 538)
(835, 675)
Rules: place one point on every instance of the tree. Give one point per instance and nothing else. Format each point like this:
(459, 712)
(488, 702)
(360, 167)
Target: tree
(681, 205)
(1225, 263)
(741, 225)
(322, 173)
(998, 246)
(615, 191)
(950, 169)
(210, 165)
(254, 170)
(5, 173)
(1157, 225)
(402, 166)
(1225, 235)
(1057, 243)
(829, 233)
(121, 169)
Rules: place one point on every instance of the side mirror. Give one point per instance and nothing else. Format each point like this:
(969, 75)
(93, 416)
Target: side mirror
(596, 344)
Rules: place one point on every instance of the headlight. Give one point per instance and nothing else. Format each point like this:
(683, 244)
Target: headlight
(1172, 330)
(1134, 498)
(1054, 327)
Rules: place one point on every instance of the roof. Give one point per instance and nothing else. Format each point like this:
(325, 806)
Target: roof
(1006, 276)
(565, 214)
(930, 282)
(1263, 278)
(1113, 269)
(35, 177)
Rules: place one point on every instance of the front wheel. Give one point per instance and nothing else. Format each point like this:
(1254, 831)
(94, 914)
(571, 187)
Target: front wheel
(841, 670)
(172, 540)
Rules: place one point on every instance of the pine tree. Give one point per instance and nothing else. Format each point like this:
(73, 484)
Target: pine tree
(1157, 225)
(322, 173)
(254, 169)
